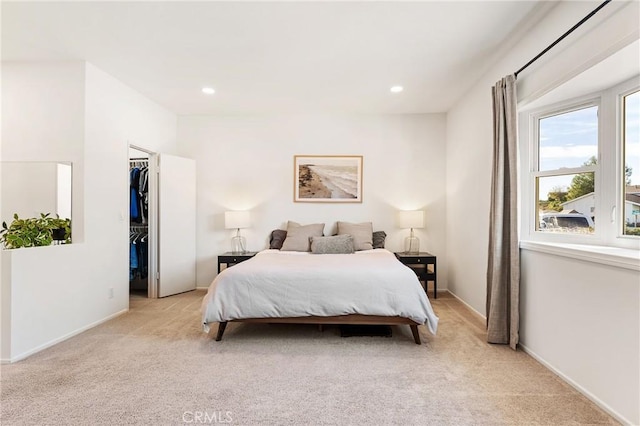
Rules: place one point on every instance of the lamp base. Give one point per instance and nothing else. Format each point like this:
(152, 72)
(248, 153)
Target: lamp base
(238, 245)
(412, 245)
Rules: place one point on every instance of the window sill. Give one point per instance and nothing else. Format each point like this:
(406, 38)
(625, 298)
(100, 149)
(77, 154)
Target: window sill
(612, 256)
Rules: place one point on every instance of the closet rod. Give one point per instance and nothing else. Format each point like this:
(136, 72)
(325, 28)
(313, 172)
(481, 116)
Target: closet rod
(138, 159)
(562, 37)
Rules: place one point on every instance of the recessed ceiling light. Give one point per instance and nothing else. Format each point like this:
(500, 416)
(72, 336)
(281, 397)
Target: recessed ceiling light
(396, 89)
(208, 90)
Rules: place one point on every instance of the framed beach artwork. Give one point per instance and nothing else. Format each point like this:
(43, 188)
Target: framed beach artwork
(327, 178)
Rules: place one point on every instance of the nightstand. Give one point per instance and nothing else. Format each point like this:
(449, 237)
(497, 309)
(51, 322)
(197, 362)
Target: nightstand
(230, 258)
(424, 265)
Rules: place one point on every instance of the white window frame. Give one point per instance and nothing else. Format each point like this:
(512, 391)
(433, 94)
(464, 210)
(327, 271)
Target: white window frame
(626, 88)
(609, 170)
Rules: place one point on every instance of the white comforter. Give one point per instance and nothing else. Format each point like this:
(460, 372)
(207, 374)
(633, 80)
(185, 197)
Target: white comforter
(275, 284)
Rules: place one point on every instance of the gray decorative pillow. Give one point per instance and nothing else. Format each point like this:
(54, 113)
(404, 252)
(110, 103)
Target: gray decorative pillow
(339, 244)
(378, 239)
(362, 234)
(277, 238)
(298, 236)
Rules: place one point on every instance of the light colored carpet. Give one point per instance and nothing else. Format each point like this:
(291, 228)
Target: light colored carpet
(155, 366)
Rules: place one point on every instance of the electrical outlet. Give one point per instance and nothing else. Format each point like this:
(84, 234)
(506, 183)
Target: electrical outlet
(110, 292)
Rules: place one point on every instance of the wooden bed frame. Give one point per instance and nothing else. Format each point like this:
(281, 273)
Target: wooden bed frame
(341, 319)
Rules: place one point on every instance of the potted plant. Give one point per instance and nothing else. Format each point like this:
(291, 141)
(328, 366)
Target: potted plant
(34, 232)
(60, 229)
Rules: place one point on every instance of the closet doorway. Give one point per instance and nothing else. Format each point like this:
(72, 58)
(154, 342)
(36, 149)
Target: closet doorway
(142, 222)
(162, 231)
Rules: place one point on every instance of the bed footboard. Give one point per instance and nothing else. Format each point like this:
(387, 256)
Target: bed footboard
(342, 319)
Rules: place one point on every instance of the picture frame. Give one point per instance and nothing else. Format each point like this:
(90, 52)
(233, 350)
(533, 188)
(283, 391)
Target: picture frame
(327, 178)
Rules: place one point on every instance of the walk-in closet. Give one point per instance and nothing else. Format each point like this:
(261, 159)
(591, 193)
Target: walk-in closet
(139, 242)
(162, 224)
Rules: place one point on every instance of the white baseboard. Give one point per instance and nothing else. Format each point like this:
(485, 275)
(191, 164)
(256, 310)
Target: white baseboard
(577, 387)
(561, 375)
(61, 339)
(471, 308)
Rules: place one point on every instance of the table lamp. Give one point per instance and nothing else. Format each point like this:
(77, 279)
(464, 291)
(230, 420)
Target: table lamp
(237, 220)
(411, 219)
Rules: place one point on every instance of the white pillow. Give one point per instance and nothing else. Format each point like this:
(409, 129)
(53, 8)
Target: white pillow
(298, 236)
(362, 234)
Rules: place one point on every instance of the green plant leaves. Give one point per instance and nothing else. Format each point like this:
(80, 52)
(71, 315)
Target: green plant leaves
(33, 232)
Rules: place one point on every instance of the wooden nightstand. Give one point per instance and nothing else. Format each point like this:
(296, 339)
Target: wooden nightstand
(231, 259)
(424, 265)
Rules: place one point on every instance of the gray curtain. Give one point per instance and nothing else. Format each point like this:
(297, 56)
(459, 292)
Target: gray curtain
(503, 270)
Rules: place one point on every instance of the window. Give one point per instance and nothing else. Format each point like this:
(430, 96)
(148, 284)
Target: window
(581, 169)
(566, 167)
(631, 150)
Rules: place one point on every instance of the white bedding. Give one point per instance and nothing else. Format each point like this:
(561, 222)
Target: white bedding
(276, 284)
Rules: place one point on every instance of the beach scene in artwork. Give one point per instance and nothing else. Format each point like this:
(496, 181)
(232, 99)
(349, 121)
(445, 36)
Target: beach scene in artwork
(326, 178)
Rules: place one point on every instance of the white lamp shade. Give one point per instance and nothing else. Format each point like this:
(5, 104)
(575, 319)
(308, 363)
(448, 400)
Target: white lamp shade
(236, 220)
(411, 219)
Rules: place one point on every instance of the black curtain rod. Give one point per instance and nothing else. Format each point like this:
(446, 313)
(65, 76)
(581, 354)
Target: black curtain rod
(585, 19)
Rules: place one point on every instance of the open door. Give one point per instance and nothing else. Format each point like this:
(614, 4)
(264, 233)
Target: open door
(176, 225)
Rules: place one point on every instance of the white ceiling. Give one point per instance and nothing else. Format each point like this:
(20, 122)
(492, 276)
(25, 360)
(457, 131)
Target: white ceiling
(273, 56)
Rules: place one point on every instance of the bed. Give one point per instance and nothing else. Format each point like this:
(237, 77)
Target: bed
(365, 287)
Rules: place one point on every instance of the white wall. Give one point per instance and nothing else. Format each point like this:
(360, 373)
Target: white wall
(42, 120)
(118, 116)
(246, 163)
(64, 190)
(582, 319)
(31, 188)
(69, 289)
(28, 189)
(469, 153)
(115, 117)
